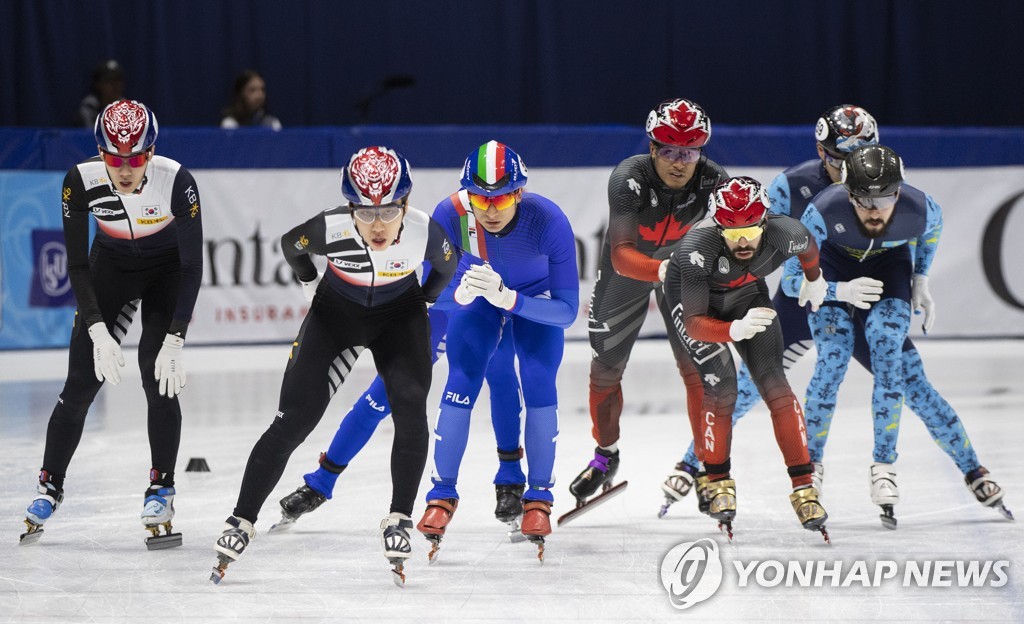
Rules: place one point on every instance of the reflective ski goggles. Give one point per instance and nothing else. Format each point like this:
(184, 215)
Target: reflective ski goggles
(672, 153)
(368, 214)
(749, 233)
(875, 203)
(134, 160)
(501, 202)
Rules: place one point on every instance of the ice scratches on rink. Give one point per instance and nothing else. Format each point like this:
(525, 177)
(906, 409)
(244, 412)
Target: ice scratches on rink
(92, 564)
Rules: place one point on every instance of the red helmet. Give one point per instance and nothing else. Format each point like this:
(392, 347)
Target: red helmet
(126, 127)
(739, 202)
(679, 122)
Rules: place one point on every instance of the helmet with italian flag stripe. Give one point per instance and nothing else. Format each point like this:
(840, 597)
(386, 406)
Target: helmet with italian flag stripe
(493, 169)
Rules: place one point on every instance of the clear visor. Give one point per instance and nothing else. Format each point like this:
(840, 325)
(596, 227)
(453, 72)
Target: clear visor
(386, 213)
(874, 203)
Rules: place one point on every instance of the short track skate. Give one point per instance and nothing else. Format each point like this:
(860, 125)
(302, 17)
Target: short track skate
(608, 491)
(537, 524)
(169, 539)
(32, 535)
(434, 522)
(677, 486)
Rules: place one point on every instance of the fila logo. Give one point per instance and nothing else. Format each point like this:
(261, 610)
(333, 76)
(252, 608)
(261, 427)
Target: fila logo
(456, 398)
(373, 404)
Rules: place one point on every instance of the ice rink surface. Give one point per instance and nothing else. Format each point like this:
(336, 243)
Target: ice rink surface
(91, 564)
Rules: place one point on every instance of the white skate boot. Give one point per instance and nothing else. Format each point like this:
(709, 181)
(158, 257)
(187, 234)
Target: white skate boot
(395, 540)
(987, 491)
(39, 511)
(677, 485)
(818, 477)
(884, 492)
(237, 534)
(158, 511)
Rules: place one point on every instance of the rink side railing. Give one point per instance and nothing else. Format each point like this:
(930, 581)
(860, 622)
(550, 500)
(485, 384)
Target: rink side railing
(256, 184)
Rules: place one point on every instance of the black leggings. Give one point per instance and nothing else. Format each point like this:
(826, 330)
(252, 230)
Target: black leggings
(331, 337)
(120, 283)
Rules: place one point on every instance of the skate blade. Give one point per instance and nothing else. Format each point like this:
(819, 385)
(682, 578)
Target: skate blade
(163, 542)
(539, 541)
(887, 517)
(586, 506)
(218, 570)
(726, 527)
(1000, 508)
(664, 508)
(435, 551)
(398, 575)
(32, 537)
(515, 533)
(824, 534)
(283, 524)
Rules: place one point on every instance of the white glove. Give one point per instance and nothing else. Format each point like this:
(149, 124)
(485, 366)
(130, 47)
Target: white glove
(170, 367)
(662, 269)
(309, 288)
(462, 294)
(106, 354)
(482, 280)
(921, 299)
(754, 322)
(813, 291)
(861, 292)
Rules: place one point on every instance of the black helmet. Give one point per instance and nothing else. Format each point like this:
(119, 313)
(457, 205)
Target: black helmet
(872, 171)
(842, 129)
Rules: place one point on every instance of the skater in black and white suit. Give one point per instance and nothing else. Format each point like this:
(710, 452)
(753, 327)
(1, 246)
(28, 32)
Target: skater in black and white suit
(148, 248)
(370, 298)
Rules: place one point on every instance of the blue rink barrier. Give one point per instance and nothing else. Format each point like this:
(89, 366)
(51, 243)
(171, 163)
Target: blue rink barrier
(547, 146)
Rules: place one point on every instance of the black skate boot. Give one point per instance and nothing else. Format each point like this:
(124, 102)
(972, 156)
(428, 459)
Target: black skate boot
(301, 501)
(677, 485)
(598, 474)
(807, 504)
(701, 484)
(986, 491)
(509, 508)
(721, 496)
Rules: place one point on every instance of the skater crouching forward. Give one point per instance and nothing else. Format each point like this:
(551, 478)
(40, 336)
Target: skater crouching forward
(715, 288)
(370, 298)
(148, 248)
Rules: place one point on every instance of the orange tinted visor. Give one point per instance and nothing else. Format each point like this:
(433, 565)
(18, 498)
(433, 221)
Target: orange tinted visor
(501, 202)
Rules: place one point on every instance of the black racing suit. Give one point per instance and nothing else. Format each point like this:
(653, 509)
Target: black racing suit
(148, 248)
(367, 299)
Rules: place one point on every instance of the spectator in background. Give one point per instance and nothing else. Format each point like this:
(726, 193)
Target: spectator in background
(248, 108)
(107, 88)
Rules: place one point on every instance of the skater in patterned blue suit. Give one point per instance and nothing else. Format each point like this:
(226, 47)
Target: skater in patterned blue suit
(838, 131)
(518, 272)
(877, 267)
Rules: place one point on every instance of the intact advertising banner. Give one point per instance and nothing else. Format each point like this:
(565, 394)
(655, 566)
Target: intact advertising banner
(249, 293)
